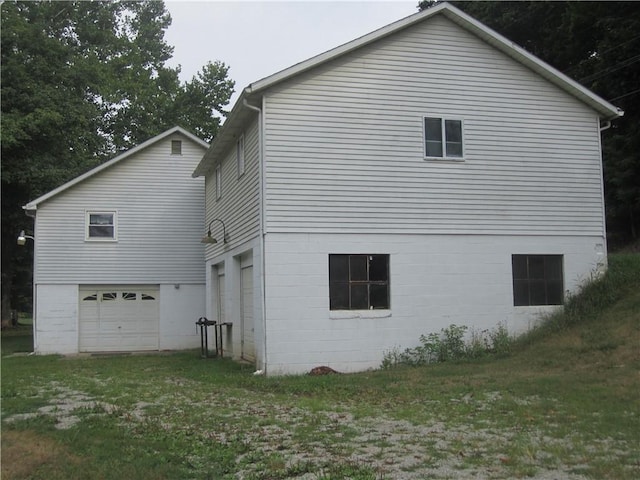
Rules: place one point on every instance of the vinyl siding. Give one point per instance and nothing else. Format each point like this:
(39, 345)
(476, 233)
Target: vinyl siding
(344, 144)
(160, 215)
(239, 205)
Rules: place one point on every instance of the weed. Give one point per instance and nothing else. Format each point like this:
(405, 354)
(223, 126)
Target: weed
(450, 345)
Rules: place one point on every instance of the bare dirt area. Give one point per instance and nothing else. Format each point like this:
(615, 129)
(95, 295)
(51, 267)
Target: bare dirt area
(24, 452)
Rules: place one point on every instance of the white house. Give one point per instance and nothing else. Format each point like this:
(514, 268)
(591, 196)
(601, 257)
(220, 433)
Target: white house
(118, 265)
(426, 174)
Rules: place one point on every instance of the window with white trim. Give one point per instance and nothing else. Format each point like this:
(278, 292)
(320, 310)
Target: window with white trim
(537, 280)
(443, 138)
(358, 282)
(240, 155)
(218, 183)
(101, 226)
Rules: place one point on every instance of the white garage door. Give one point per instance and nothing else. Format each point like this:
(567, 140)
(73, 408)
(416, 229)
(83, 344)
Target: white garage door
(119, 318)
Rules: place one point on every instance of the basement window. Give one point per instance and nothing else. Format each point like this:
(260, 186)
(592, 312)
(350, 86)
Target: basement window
(537, 280)
(358, 282)
(443, 138)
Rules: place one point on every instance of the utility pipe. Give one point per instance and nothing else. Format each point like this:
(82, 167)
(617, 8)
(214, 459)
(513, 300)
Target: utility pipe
(262, 224)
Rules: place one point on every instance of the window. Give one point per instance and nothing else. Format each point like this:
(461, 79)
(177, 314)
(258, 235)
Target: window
(442, 138)
(358, 282)
(537, 280)
(218, 183)
(145, 296)
(240, 155)
(176, 147)
(107, 296)
(101, 226)
(129, 296)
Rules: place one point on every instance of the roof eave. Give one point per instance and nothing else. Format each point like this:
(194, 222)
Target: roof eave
(33, 204)
(605, 110)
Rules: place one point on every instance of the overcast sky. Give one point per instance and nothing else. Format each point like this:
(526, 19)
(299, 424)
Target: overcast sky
(257, 39)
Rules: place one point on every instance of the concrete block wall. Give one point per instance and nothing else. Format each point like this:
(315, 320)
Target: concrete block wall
(435, 281)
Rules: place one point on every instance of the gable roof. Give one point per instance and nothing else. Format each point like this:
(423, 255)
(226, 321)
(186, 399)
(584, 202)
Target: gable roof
(239, 114)
(33, 205)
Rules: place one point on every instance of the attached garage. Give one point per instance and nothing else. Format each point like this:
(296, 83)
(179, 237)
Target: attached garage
(119, 318)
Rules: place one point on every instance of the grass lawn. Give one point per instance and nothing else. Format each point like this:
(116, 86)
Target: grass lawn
(565, 406)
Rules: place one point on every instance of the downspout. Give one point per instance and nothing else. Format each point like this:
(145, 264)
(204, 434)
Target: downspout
(603, 263)
(262, 169)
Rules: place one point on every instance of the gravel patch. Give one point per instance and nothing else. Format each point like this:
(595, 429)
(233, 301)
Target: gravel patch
(395, 449)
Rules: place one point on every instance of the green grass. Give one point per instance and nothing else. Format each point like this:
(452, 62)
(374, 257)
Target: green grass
(567, 402)
(18, 339)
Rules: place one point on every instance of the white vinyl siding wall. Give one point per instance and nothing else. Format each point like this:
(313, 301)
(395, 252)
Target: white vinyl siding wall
(160, 222)
(239, 205)
(344, 144)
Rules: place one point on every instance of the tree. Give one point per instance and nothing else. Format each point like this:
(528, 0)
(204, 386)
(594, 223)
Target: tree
(82, 81)
(597, 44)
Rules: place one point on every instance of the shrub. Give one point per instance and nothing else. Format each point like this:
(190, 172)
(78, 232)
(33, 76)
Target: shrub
(450, 345)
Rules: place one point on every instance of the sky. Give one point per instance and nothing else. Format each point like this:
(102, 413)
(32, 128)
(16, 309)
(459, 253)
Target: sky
(257, 39)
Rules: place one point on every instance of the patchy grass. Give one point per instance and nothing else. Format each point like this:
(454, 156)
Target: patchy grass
(17, 340)
(564, 406)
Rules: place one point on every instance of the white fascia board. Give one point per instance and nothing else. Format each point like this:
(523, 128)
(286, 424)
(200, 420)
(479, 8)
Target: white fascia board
(32, 206)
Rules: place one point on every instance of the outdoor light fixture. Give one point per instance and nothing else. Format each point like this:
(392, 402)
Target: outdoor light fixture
(22, 238)
(209, 239)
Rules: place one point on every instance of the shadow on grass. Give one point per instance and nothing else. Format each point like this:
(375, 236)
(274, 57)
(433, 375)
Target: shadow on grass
(17, 340)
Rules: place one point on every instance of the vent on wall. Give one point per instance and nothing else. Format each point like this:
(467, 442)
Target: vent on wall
(176, 147)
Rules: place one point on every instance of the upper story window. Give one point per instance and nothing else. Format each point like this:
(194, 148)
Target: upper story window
(176, 147)
(442, 138)
(537, 280)
(358, 282)
(101, 226)
(218, 183)
(240, 155)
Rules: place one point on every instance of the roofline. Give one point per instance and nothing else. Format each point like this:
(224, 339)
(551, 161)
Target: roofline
(462, 19)
(33, 205)
(605, 110)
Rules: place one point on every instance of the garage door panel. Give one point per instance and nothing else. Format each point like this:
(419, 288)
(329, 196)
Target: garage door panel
(119, 318)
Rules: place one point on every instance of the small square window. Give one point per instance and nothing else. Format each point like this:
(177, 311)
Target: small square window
(537, 280)
(176, 147)
(240, 155)
(442, 138)
(101, 226)
(358, 282)
(218, 183)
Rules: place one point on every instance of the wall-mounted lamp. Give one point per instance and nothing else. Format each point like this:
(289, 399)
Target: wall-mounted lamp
(209, 239)
(22, 238)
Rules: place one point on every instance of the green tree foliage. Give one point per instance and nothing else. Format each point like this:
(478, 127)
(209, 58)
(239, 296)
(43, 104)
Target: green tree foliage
(82, 81)
(597, 44)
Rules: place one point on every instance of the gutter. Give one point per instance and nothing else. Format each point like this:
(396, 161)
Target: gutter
(261, 170)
